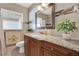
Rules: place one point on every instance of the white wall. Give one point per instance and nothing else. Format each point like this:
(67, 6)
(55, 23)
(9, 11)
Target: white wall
(71, 16)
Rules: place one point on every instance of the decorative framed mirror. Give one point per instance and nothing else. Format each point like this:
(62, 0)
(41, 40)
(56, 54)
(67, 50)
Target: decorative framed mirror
(45, 17)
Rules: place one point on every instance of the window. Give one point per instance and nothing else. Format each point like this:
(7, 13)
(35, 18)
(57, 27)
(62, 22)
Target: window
(9, 24)
(11, 19)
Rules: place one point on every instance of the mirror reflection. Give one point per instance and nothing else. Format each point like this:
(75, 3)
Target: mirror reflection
(44, 18)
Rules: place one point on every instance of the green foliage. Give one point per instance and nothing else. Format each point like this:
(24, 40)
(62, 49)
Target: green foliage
(30, 30)
(66, 26)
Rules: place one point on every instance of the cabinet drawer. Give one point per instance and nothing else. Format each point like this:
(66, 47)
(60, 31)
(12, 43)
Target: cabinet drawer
(59, 50)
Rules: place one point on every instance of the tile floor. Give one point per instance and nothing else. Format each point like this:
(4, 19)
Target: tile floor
(12, 51)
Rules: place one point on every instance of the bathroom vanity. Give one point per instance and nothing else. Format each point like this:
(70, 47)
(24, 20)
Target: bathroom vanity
(45, 45)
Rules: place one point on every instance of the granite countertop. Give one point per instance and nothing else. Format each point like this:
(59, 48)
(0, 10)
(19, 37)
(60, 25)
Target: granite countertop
(56, 40)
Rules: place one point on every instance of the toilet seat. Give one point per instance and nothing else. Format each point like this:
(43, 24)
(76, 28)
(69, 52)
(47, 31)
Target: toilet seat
(21, 46)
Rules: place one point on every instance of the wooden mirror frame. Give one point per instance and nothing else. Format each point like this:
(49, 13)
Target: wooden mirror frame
(52, 15)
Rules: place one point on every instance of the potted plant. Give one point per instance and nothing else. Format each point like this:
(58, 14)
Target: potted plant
(29, 29)
(66, 26)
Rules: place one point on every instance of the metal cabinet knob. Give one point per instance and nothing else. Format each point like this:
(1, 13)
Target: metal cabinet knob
(51, 48)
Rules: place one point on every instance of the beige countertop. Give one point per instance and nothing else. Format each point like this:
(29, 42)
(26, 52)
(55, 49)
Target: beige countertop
(71, 44)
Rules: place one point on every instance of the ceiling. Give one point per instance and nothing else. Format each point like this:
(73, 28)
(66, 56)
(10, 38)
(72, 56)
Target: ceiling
(47, 11)
(27, 5)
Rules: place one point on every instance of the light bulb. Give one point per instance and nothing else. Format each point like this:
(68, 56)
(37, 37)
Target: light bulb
(44, 4)
(39, 7)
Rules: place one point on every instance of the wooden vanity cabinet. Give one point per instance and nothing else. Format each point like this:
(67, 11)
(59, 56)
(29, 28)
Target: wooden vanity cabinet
(34, 47)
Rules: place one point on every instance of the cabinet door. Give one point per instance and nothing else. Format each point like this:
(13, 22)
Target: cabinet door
(49, 52)
(46, 52)
(34, 47)
(26, 45)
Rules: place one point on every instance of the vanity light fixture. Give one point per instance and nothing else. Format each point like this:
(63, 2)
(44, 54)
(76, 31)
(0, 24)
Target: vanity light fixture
(39, 7)
(43, 6)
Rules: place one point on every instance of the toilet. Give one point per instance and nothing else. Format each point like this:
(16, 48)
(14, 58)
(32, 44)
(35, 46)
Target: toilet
(20, 45)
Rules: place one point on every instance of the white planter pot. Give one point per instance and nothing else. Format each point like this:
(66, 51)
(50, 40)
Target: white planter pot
(66, 36)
